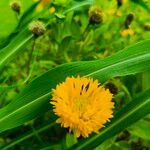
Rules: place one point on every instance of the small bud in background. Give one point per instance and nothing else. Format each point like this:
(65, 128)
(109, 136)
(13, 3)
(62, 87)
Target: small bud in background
(147, 26)
(16, 6)
(37, 28)
(95, 15)
(128, 20)
(119, 3)
(112, 87)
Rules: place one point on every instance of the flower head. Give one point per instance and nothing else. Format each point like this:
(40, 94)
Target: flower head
(15, 6)
(37, 28)
(127, 32)
(42, 4)
(95, 15)
(52, 10)
(82, 105)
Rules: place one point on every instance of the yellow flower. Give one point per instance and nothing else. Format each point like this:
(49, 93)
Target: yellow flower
(42, 4)
(127, 32)
(51, 10)
(82, 105)
(124, 1)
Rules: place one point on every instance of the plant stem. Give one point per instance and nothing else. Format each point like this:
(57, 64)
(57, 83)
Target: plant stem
(30, 57)
(17, 17)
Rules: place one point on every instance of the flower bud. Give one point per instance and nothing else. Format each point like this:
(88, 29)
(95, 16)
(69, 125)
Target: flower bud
(129, 20)
(112, 87)
(16, 6)
(37, 28)
(119, 3)
(147, 26)
(95, 15)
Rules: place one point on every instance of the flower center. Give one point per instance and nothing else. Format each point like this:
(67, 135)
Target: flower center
(81, 104)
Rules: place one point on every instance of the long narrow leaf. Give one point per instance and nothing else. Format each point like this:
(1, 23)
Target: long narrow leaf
(7, 53)
(79, 4)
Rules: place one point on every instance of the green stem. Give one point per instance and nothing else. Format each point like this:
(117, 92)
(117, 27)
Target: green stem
(127, 92)
(17, 17)
(30, 57)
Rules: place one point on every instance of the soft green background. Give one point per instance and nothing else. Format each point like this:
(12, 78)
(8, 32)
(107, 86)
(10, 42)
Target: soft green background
(8, 18)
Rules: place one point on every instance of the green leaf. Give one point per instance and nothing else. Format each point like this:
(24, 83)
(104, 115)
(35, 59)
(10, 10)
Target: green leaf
(8, 52)
(141, 3)
(133, 111)
(106, 144)
(70, 139)
(141, 129)
(122, 145)
(60, 16)
(34, 99)
(52, 147)
(77, 5)
(145, 80)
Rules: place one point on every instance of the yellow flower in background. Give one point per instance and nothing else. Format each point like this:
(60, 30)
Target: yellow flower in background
(124, 1)
(52, 10)
(127, 32)
(42, 4)
(82, 105)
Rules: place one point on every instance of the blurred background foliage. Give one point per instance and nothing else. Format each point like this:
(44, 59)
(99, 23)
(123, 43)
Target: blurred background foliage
(72, 37)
